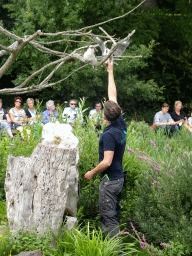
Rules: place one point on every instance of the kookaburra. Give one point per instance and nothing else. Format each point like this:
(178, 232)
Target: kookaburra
(89, 55)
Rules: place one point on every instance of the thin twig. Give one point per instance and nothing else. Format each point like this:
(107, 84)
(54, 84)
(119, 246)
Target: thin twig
(63, 40)
(104, 22)
(107, 35)
(131, 57)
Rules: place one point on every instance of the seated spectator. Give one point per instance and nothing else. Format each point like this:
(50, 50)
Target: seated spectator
(163, 119)
(179, 115)
(31, 112)
(71, 113)
(17, 114)
(190, 122)
(96, 115)
(50, 115)
(5, 121)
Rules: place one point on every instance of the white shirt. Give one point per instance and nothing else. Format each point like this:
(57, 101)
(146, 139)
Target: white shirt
(70, 114)
(18, 115)
(190, 120)
(94, 113)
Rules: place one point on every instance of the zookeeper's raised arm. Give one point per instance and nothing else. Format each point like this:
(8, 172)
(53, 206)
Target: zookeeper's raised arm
(112, 91)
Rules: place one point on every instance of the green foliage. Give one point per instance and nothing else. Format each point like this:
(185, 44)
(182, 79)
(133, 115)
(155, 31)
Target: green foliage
(78, 241)
(130, 77)
(83, 241)
(88, 154)
(12, 244)
(3, 212)
(4, 152)
(162, 205)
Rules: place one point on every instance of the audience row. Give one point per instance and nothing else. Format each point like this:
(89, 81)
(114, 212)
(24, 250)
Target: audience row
(173, 121)
(17, 117)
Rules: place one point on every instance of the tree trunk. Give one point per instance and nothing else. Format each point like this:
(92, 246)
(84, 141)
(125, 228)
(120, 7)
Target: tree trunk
(43, 188)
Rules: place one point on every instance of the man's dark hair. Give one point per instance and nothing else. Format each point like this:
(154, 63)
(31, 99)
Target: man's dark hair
(112, 111)
(97, 102)
(165, 105)
(18, 98)
(1, 101)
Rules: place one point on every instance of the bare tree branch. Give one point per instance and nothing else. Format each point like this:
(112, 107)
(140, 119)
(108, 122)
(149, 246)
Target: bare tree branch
(59, 41)
(20, 43)
(130, 57)
(34, 88)
(9, 34)
(107, 35)
(45, 49)
(41, 70)
(119, 17)
(45, 81)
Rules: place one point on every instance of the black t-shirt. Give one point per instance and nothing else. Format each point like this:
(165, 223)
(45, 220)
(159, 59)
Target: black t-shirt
(176, 117)
(114, 139)
(28, 113)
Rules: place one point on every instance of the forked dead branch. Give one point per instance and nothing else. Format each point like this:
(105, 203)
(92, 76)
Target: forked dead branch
(85, 54)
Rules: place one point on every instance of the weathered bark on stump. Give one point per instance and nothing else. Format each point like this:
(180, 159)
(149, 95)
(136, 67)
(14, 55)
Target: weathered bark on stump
(42, 188)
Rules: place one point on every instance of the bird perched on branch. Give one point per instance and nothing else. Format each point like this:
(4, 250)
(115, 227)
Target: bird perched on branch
(120, 49)
(102, 45)
(89, 55)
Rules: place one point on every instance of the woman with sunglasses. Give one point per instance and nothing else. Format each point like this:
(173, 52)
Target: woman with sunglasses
(17, 114)
(70, 114)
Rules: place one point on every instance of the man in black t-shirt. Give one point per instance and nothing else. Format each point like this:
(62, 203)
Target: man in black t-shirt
(111, 149)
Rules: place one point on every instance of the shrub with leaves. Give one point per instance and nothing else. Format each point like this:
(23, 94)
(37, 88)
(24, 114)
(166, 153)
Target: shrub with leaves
(12, 244)
(163, 208)
(88, 241)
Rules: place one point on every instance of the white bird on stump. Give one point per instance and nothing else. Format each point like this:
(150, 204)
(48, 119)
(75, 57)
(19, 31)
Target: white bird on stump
(89, 55)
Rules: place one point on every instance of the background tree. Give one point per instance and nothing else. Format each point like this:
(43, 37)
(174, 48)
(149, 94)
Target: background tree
(140, 81)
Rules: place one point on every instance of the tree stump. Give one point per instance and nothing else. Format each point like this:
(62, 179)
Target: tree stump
(43, 188)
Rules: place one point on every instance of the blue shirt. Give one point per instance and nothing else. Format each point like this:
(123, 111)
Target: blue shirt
(114, 139)
(162, 118)
(47, 118)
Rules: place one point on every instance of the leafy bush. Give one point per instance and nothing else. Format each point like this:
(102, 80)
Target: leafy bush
(163, 206)
(88, 154)
(74, 242)
(12, 244)
(163, 214)
(3, 212)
